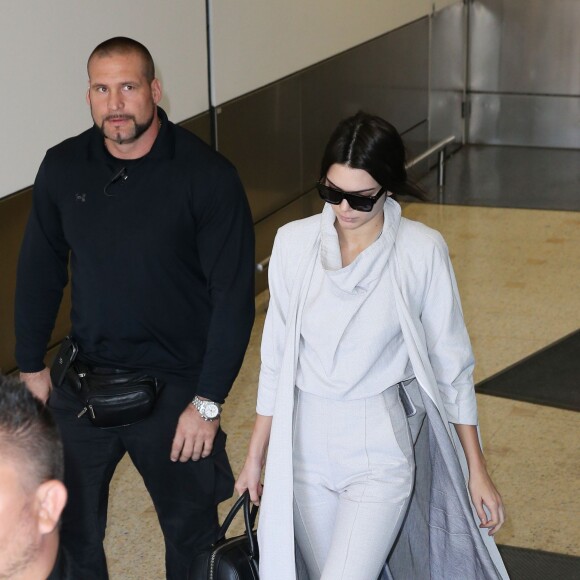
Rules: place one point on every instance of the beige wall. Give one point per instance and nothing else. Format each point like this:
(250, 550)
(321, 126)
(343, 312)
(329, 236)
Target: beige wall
(44, 46)
(256, 42)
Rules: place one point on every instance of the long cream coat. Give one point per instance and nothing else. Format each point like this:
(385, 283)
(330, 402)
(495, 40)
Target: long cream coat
(417, 255)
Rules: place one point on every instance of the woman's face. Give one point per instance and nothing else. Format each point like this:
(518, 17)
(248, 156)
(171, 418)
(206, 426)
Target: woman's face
(348, 180)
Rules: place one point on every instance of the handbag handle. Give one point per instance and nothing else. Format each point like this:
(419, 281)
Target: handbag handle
(249, 519)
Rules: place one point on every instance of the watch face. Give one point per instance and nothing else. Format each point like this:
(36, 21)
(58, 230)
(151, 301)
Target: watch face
(211, 411)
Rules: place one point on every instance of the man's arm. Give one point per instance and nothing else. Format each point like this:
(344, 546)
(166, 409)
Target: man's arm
(39, 384)
(225, 241)
(226, 250)
(41, 278)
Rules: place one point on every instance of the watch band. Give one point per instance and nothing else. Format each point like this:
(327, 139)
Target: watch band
(209, 410)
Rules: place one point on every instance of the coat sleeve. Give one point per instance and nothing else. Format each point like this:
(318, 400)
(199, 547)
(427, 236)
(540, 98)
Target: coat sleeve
(274, 335)
(42, 276)
(447, 339)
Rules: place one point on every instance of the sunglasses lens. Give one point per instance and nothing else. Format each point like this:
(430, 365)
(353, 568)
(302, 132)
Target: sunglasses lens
(356, 202)
(329, 195)
(359, 204)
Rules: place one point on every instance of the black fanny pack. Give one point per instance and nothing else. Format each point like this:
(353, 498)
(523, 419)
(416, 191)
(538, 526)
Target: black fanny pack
(110, 397)
(113, 397)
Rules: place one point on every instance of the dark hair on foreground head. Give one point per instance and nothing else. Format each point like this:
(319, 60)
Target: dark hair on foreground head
(369, 142)
(124, 45)
(28, 434)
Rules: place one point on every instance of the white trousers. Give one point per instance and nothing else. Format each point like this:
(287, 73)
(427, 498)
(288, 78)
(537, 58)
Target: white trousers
(353, 477)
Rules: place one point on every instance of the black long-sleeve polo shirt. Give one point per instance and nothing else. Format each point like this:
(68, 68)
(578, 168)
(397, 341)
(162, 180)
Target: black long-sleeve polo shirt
(162, 262)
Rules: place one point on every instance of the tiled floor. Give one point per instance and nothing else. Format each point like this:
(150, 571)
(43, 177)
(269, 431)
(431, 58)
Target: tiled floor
(519, 276)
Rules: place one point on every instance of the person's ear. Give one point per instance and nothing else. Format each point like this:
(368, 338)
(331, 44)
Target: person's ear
(156, 90)
(51, 498)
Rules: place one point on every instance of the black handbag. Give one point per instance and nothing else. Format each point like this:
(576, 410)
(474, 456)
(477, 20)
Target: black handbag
(230, 558)
(113, 397)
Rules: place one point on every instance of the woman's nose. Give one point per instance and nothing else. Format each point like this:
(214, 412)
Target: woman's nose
(344, 205)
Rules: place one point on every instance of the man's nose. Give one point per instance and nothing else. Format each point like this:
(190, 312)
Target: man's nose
(115, 101)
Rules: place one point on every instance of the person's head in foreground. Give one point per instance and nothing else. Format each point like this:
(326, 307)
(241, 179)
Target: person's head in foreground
(32, 495)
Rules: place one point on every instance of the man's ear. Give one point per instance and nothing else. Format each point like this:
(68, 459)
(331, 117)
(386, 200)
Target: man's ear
(156, 90)
(88, 95)
(51, 498)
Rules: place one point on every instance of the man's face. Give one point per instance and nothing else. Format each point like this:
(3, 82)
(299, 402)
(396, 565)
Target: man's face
(122, 101)
(20, 539)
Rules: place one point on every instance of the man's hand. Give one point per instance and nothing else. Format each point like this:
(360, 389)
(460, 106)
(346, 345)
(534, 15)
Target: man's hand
(39, 384)
(193, 437)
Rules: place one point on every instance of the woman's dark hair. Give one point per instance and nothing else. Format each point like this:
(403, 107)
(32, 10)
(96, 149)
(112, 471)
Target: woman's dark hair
(369, 142)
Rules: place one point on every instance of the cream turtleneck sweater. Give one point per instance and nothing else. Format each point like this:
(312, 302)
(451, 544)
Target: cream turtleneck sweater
(351, 343)
(342, 322)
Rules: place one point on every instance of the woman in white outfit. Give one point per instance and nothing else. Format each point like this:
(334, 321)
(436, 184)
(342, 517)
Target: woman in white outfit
(365, 364)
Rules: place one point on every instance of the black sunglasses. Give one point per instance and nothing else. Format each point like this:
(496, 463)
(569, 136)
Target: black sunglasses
(354, 199)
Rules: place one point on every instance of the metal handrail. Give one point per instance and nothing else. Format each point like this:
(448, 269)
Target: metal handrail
(261, 266)
(440, 145)
(439, 148)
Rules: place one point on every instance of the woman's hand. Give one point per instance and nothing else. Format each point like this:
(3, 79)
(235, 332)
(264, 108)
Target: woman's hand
(481, 488)
(251, 473)
(249, 479)
(484, 493)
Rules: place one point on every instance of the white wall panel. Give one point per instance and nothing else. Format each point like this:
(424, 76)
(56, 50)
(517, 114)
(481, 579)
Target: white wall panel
(255, 42)
(44, 46)
(439, 4)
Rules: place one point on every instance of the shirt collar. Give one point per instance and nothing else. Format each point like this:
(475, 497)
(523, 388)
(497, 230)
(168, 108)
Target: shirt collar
(365, 270)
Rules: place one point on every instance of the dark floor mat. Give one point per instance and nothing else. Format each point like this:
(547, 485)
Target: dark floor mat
(524, 564)
(550, 376)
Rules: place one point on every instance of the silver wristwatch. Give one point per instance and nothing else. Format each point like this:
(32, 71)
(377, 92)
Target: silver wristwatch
(208, 410)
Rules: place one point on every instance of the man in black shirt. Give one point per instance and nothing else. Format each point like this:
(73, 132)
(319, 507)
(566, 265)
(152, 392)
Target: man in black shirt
(32, 494)
(158, 235)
